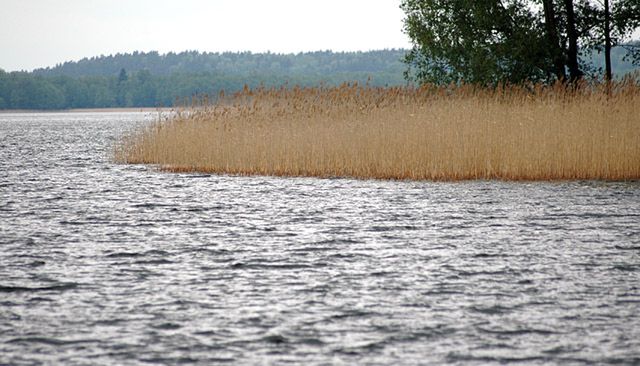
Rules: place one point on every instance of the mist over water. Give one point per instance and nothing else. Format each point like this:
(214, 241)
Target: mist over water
(102, 263)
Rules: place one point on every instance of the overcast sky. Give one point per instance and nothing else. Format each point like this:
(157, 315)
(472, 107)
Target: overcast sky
(39, 33)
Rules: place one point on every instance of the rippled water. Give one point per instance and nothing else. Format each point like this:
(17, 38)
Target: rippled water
(103, 263)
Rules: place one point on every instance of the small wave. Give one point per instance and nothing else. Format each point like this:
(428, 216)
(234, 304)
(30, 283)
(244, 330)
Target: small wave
(350, 256)
(275, 339)
(206, 333)
(173, 360)
(311, 341)
(337, 241)
(464, 273)
(620, 247)
(38, 299)
(492, 310)
(124, 255)
(380, 228)
(466, 358)
(556, 350)
(37, 264)
(621, 302)
(525, 282)
(109, 322)
(151, 205)
(489, 255)
(152, 252)
(352, 314)
(442, 292)
(166, 326)
(197, 209)
(76, 222)
(240, 265)
(61, 287)
(50, 341)
(156, 252)
(312, 249)
(210, 251)
(154, 261)
(365, 348)
(53, 198)
(516, 332)
(626, 267)
(382, 273)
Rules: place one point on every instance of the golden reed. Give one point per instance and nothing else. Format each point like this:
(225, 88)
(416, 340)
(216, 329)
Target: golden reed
(431, 133)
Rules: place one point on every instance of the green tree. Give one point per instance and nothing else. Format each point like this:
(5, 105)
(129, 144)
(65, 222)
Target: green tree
(122, 76)
(476, 41)
(121, 92)
(143, 89)
(491, 41)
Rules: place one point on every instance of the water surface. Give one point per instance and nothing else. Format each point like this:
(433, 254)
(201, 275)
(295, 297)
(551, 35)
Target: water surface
(102, 263)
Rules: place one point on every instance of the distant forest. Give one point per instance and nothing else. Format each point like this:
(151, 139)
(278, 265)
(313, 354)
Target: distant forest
(151, 79)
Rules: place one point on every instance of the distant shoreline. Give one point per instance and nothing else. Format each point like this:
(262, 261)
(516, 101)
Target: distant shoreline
(85, 110)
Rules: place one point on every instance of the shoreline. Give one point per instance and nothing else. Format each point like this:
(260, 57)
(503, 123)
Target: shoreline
(86, 110)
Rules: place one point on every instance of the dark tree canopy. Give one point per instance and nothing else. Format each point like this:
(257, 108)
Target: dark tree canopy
(478, 41)
(510, 41)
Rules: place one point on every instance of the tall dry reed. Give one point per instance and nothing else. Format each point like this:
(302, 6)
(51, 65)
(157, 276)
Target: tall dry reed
(446, 133)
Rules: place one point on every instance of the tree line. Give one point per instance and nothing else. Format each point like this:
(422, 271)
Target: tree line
(143, 89)
(151, 79)
(514, 41)
(232, 63)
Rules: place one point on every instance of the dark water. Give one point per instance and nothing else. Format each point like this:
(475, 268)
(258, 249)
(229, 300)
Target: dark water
(110, 264)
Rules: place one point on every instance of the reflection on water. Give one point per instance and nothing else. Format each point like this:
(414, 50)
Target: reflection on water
(110, 264)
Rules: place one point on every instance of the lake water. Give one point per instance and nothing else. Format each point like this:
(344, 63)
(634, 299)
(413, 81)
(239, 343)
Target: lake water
(102, 263)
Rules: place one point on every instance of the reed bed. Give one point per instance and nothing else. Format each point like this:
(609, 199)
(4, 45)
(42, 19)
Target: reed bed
(429, 133)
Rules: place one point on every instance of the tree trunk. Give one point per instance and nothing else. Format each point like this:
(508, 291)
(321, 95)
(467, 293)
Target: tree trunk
(551, 25)
(607, 42)
(572, 34)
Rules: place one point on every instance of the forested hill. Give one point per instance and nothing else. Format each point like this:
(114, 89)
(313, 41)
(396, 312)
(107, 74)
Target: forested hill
(151, 79)
(387, 62)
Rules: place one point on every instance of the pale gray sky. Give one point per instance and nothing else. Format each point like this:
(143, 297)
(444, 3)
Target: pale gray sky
(39, 33)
